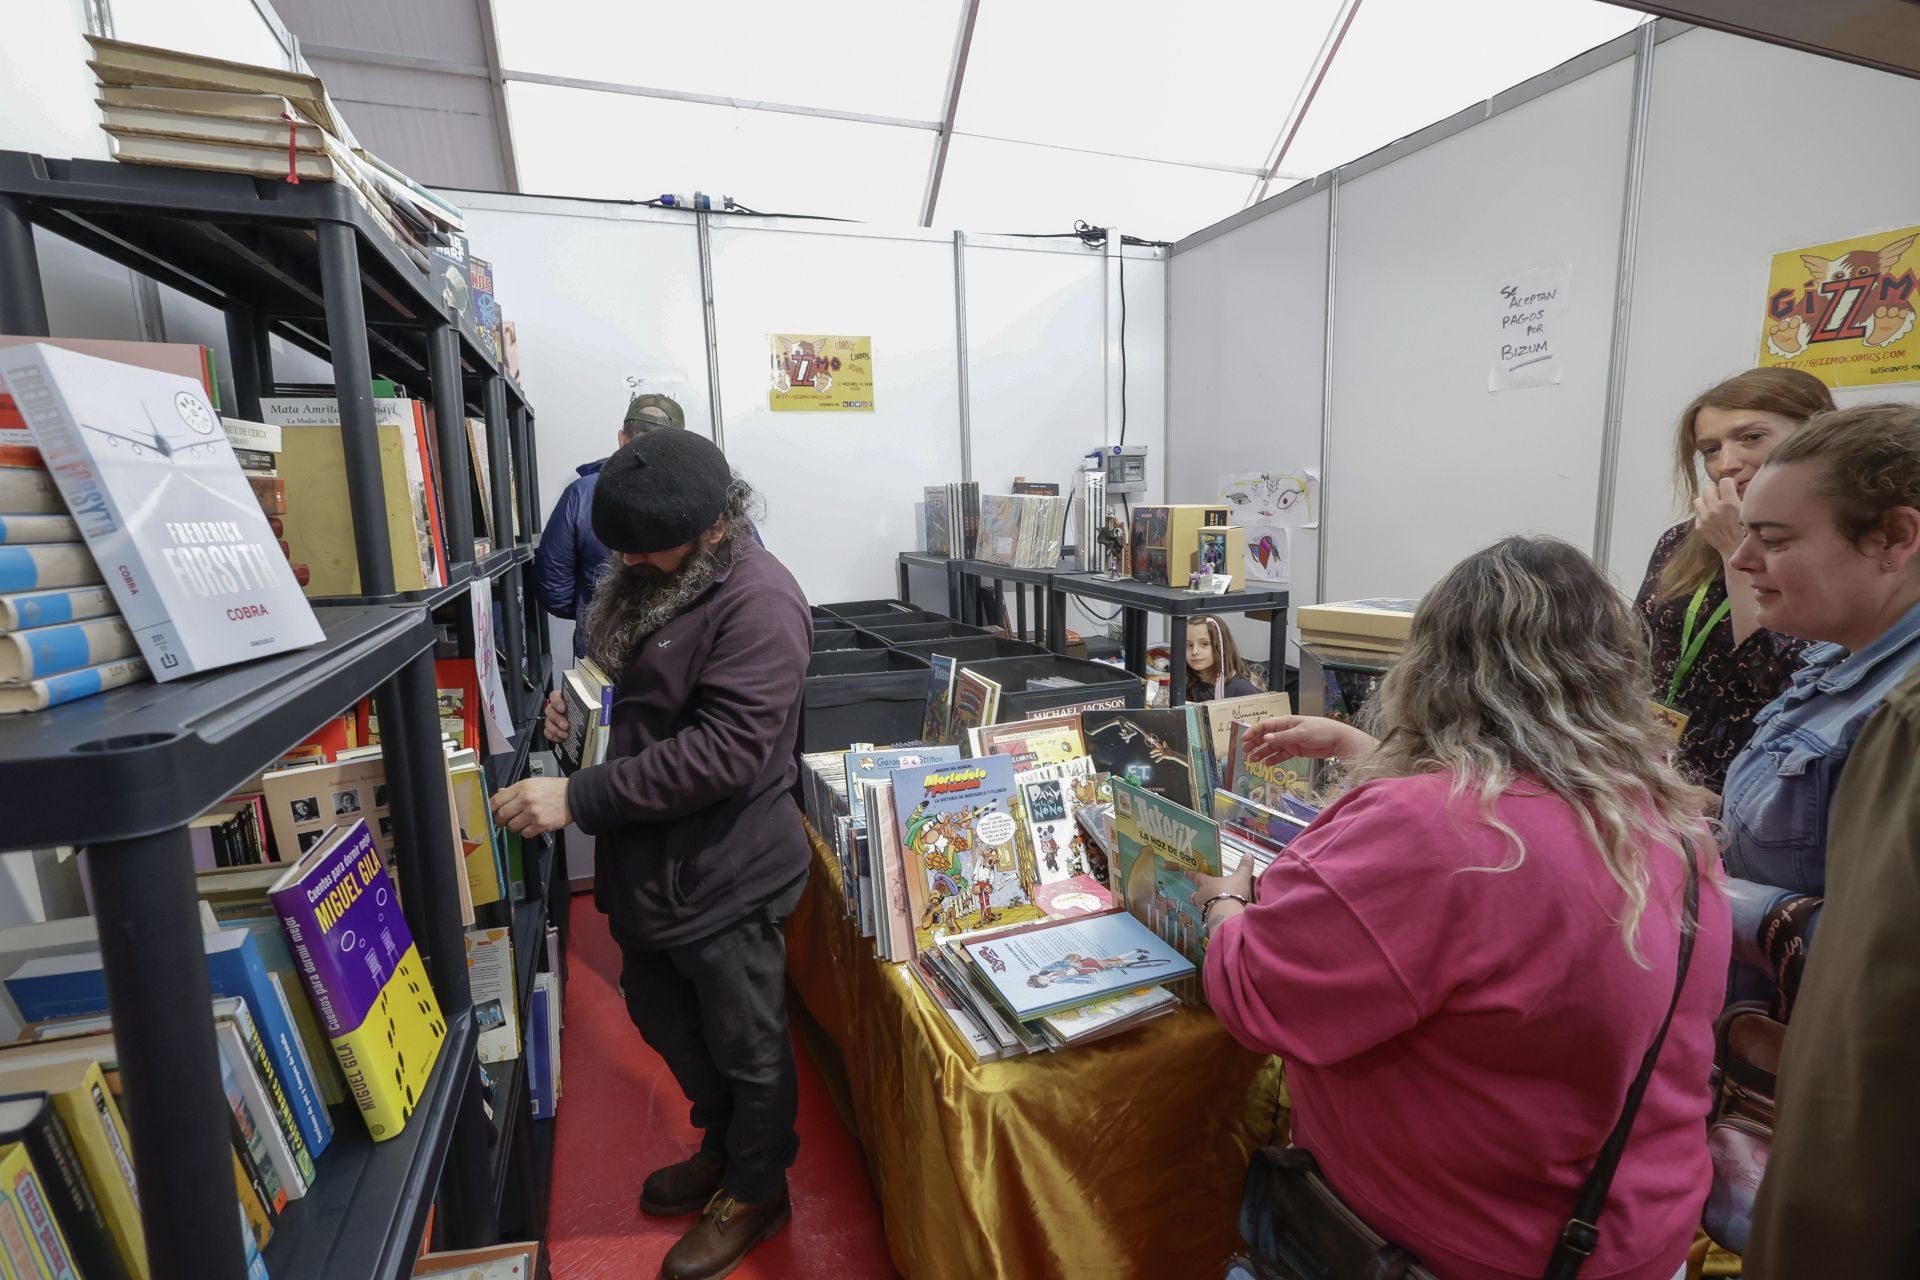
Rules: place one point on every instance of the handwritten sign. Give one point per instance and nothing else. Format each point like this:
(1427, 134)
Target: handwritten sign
(1529, 328)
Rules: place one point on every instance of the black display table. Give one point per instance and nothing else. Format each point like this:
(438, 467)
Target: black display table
(1138, 599)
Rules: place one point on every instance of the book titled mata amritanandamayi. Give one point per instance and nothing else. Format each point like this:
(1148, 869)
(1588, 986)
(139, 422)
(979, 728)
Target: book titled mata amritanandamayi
(152, 483)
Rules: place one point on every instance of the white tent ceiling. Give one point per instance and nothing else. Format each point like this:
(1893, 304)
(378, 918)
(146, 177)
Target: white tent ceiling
(1151, 118)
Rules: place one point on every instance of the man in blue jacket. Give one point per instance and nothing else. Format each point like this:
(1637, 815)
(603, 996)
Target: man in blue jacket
(569, 559)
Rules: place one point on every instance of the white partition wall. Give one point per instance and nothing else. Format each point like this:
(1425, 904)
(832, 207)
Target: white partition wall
(1245, 377)
(1726, 189)
(1426, 463)
(839, 487)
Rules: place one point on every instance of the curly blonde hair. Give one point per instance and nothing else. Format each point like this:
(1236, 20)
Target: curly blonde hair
(1524, 663)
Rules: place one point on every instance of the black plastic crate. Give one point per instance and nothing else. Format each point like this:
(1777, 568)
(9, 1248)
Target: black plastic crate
(847, 662)
(1097, 681)
(911, 632)
(880, 707)
(972, 648)
(871, 609)
(827, 639)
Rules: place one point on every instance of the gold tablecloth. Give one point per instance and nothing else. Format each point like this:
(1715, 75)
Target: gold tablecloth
(1114, 1159)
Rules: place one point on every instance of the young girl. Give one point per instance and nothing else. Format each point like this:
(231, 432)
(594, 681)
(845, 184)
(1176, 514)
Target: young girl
(1214, 666)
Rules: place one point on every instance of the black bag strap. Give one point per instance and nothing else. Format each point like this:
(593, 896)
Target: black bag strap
(1581, 1236)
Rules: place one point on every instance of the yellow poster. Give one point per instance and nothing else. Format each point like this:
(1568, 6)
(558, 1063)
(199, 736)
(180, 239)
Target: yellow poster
(1844, 311)
(820, 374)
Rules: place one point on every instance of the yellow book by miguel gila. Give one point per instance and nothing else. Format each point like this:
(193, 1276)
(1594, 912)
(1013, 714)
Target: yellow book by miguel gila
(363, 972)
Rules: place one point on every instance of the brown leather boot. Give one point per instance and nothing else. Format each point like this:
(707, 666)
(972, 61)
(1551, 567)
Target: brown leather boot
(724, 1236)
(682, 1188)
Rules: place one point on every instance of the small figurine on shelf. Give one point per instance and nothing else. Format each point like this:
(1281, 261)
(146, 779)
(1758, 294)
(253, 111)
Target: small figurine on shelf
(1113, 544)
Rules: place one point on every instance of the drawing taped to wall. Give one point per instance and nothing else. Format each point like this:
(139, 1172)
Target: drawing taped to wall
(1843, 311)
(816, 374)
(1269, 506)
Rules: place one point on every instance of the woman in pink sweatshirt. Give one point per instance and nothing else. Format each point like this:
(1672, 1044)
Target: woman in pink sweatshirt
(1465, 959)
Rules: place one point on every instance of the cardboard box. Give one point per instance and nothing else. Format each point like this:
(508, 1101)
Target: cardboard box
(1359, 624)
(1166, 539)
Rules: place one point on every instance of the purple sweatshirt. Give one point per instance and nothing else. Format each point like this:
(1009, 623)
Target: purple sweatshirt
(693, 817)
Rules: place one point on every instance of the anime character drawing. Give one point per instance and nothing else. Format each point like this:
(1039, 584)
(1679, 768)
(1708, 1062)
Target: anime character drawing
(1855, 295)
(1049, 849)
(1081, 970)
(1077, 856)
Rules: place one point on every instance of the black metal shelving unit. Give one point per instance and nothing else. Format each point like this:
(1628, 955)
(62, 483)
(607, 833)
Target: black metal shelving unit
(124, 772)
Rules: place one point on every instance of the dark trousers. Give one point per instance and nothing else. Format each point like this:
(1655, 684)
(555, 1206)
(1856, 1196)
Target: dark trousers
(716, 1010)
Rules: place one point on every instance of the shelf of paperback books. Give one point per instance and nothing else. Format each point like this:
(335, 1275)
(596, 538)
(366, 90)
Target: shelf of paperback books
(306, 262)
(367, 1208)
(151, 757)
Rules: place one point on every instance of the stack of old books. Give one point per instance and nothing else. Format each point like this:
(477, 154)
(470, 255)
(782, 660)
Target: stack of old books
(165, 107)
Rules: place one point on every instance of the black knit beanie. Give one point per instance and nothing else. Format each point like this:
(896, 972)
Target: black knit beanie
(660, 491)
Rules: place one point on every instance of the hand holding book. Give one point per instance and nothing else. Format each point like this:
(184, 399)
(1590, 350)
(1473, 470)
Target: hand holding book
(533, 806)
(1238, 882)
(557, 725)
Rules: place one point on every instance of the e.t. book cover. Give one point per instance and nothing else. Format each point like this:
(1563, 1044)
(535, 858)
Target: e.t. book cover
(152, 483)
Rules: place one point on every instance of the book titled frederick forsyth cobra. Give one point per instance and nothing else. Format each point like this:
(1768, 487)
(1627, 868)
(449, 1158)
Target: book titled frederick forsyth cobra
(151, 480)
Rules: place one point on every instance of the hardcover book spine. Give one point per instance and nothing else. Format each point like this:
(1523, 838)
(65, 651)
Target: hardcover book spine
(72, 467)
(25, 610)
(16, 529)
(43, 566)
(46, 651)
(54, 690)
(28, 490)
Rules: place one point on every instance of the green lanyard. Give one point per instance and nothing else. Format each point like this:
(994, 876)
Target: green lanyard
(1691, 644)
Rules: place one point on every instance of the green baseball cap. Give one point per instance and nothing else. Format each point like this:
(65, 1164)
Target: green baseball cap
(652, 410)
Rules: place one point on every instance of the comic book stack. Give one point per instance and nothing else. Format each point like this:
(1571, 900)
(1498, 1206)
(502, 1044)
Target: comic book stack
(989, 860)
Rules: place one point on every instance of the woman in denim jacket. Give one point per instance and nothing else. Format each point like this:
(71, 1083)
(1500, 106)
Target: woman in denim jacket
(1832, 547)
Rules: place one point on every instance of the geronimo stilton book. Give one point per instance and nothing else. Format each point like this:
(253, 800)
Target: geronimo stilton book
(363, 971)
(958, 832)
(153, 485)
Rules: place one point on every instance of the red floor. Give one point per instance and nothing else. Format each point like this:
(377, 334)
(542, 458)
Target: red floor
(622, 1116)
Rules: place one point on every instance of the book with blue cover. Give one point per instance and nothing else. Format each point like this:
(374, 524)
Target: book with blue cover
(1159, 846)
(1069, 963)
(50, 651)
(70, 986)
(877, 766)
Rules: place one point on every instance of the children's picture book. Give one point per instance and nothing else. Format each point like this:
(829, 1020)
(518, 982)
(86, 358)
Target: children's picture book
(1051, 830)
(976, 702)
(1220, 721)
(1267, 825)
(876, 766)
(1115, 1013)
(1051, 740)
(1159, 845)
(498, 1262)
(1069, 963)
(1149, 748)
(957, 833)
(1077, 895)
(937, 724)
(363, 973)
(152, 482)
(1285, 785)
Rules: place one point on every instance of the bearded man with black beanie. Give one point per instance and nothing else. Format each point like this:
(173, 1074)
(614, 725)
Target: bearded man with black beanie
(700, 852)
